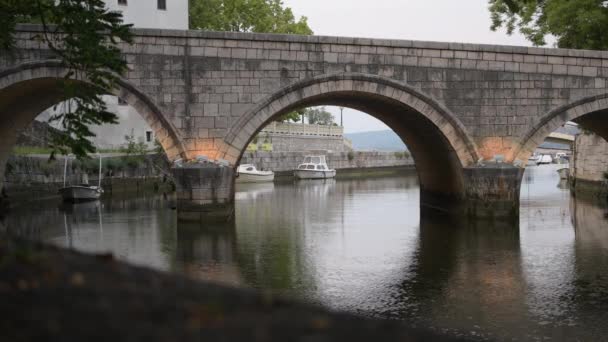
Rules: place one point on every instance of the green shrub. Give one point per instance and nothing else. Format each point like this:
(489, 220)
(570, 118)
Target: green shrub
(350, 155)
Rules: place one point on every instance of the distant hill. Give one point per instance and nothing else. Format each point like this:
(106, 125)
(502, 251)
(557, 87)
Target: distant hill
(376, 141)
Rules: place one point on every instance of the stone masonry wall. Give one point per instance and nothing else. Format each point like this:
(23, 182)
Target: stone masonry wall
(284, 143)
(287, 161)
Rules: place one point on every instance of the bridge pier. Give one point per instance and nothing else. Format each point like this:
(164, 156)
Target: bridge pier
(204, 192)
(491, 192)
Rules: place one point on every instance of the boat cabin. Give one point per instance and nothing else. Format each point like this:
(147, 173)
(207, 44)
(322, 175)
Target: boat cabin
(313, 163)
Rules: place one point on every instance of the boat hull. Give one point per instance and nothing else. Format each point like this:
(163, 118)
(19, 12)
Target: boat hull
(79, 193)
(254, 178)
(314, 174)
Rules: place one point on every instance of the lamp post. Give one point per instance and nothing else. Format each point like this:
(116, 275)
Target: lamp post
(341, 122)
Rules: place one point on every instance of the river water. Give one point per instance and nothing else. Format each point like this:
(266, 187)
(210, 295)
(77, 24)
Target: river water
(360, 246)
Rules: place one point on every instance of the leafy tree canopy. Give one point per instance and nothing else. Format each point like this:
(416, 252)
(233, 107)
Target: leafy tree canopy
(87, 46)
(576, 24)
(267, 16)
(318, 116)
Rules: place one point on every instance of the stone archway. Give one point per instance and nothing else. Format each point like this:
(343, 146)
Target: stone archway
(590, 113)
(30, 88)
(439, 143)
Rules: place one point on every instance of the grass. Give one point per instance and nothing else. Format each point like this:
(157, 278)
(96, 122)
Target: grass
(25, 150)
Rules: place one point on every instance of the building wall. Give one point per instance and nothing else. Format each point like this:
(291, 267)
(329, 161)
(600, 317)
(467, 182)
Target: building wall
(145, 14)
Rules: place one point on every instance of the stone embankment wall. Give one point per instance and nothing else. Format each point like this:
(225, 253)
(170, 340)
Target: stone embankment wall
(29, 177)
(589, 164)
(287, 161)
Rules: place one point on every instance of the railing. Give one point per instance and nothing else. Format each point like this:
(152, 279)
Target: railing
(303, 129)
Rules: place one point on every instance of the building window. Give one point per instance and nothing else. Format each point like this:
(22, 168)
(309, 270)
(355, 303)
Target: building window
(122, 2)
(122, 102)
(148, 136)
(162, 4)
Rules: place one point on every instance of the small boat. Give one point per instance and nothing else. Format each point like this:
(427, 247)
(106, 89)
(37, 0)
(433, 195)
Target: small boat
(545, 159)
(564, 172)
(247, 173)
(80, 192)
(314, 167)
(532, 161)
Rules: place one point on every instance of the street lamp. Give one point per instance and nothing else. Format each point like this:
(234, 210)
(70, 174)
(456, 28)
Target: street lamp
(341, 122)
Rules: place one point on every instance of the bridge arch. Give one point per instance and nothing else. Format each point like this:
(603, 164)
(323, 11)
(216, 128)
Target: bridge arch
(438, 141)
(28, 89)
(590, 113)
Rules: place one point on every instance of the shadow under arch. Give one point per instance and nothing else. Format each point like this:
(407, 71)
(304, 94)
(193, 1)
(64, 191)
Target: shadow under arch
(437, 140)
(30, 88)
(590, 113)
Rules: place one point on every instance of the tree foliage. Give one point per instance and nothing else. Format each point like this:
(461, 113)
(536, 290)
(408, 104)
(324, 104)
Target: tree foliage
(267, 16)
(319, 116)
(294, 116)
(577, 24)
(84, 35)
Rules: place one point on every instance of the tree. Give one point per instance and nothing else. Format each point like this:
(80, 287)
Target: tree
(576, 24)
(267, 16)
(319, 116)
(84, 35)
(294, 116)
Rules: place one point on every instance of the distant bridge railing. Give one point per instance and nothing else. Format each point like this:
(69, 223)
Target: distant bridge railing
(303, 129)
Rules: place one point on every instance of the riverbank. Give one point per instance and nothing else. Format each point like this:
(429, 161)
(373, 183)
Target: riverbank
(54, 294)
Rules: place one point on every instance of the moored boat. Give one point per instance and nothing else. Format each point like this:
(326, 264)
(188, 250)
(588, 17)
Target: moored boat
(247, 173)
(545, 159)
(80, 192)
(314, 167)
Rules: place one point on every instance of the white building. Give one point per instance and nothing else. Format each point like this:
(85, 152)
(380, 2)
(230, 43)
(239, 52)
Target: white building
(159, 14)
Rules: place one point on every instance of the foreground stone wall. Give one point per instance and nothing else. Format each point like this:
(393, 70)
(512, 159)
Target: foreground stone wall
(589, 164)
(287, 161)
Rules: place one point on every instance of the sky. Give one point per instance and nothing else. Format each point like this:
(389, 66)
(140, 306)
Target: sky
(465, 21)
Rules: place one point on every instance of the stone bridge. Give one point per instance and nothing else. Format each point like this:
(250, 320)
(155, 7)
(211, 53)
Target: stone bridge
(470, 114)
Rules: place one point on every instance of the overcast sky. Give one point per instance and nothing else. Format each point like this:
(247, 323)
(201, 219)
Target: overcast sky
(466, 21)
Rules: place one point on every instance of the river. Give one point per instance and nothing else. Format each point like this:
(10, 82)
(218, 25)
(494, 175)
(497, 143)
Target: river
(360, 246)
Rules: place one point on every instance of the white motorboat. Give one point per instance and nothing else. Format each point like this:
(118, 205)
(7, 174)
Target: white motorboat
(80, 192)
(247, 173)
(314, 167)
(532, 161)
(545, 159)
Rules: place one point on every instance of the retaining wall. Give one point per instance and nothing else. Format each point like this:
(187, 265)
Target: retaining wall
(287, 161)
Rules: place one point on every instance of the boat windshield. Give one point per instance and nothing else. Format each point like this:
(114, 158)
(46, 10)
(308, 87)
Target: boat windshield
(307, 160)
(316, 160)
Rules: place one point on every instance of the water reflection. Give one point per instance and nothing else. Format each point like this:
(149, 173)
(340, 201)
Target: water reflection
(359, 245)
